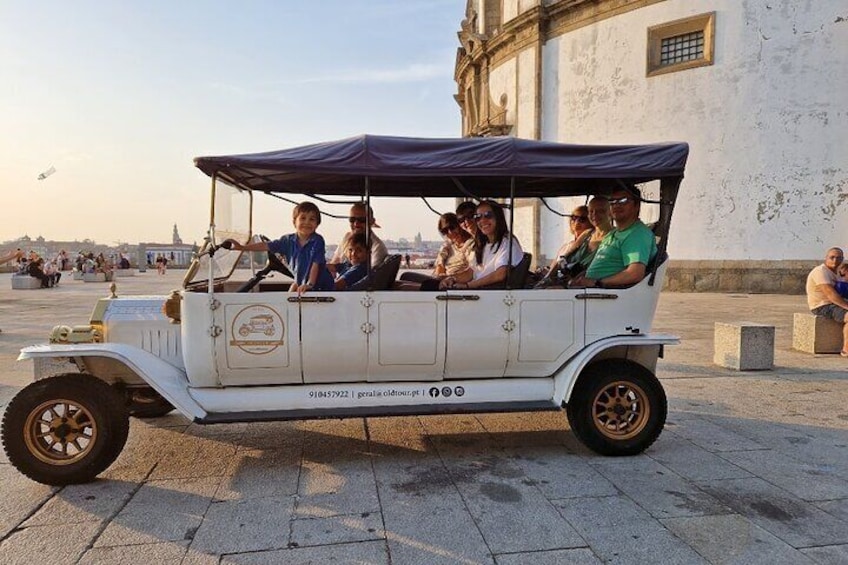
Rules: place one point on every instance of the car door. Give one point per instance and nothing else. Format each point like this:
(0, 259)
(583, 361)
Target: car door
(478, 333)
(256, 338)
(548, 330)
(334, 335)
(406, 336)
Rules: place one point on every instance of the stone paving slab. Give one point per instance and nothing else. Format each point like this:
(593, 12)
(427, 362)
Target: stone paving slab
(245, 525)
(793, 520)
(169, 510)
(620, 532)
(657, 489)
(163, 553)
(752, 467)
(367, 553)
(692, 462)
(733, 539)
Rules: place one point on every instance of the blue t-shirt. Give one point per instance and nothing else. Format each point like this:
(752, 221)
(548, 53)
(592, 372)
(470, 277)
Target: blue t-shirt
(620, 248)
(300, 258)
(351, 274)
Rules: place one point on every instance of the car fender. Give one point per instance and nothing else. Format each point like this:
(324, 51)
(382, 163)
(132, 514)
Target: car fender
(164, 378)
(632, 346)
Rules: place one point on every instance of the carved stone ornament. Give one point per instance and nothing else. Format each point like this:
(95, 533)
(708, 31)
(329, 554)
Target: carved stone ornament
(468, 34)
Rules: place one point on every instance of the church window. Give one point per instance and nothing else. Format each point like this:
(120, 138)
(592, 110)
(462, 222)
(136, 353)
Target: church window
(681, 44)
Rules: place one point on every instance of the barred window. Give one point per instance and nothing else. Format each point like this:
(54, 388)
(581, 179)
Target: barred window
(682, 48)
(681, 44)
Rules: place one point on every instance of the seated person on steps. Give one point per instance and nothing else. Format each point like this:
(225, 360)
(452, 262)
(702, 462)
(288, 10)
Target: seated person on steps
(822, 297)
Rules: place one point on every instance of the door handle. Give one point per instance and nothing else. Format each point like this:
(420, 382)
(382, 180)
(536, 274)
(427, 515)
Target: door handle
(596, 296)
(304, 299)
(460, 297)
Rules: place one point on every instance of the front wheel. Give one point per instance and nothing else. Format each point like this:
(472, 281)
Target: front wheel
(65, 429)
(617, 407)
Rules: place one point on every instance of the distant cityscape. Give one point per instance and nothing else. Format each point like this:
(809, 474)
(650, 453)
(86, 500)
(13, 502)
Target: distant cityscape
(179, 254)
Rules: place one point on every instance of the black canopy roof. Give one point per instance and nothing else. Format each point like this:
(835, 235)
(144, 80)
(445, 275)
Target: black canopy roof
(401, 166)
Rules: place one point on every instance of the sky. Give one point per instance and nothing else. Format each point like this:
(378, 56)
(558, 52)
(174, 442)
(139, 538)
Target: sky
(119, 97)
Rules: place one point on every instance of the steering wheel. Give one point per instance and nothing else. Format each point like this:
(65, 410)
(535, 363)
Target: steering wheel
(272, 263)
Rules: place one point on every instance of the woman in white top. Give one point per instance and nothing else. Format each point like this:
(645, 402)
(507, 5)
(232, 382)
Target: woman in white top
(496, 249)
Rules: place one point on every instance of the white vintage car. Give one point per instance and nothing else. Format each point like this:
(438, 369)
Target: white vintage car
(223, 351)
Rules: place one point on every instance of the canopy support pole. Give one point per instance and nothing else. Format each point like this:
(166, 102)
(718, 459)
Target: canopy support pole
(511, 235)
(368, 233)
(210, 235)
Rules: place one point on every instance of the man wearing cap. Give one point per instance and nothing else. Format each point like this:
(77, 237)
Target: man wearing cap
(822, 297)
(358, 220)
(624, 253)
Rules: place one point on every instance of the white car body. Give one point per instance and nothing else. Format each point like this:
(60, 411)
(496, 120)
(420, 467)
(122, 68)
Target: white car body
(222, 351)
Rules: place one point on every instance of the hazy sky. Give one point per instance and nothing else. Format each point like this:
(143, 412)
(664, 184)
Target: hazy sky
(120, 96)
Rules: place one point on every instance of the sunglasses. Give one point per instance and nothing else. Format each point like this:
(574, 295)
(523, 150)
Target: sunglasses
(487, 215)
(463, 219)
(445, 230)
(617, 201)
(357, 219)
(579, 218)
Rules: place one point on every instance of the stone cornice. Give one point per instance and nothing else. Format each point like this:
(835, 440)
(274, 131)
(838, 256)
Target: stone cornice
(535, 27)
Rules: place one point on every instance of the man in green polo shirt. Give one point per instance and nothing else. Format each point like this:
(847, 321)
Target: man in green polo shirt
(625, 252)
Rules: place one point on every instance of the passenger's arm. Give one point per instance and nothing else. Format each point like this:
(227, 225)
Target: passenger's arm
(829, 291)
(461, 278)
(632, 274)
(255, 246)
(311, 279)
(498, 275)
(573, 246)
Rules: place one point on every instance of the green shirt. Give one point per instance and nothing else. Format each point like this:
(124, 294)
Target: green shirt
(621, 248)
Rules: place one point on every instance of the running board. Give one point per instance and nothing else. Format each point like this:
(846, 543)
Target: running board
(374, 411)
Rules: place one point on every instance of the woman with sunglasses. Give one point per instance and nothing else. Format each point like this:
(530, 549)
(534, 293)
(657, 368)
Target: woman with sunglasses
(495, 250)
(589, 225)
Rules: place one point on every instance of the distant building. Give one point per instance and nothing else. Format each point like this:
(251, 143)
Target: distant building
(756, 88)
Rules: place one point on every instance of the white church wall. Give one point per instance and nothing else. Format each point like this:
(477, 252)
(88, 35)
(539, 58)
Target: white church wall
(526, 94)
(766, 123)
(503, 79)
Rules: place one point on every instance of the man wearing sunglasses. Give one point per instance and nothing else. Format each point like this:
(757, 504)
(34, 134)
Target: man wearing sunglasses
(624, 253)
(359, 219)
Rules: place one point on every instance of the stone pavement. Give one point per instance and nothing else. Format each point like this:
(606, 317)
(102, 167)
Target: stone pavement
(751, 468)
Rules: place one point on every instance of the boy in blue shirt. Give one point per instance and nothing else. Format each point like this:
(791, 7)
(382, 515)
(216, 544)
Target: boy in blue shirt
(354, 268)
(303, 251)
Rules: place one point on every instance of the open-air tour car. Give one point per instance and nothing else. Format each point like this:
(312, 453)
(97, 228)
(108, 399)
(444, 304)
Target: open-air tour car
(219, 350)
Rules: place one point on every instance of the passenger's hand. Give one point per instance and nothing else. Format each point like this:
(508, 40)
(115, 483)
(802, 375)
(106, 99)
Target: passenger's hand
(581, 281)
(447, 282)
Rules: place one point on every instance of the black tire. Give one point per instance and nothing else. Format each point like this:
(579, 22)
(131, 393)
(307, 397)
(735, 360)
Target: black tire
(617, 407)
(145, 402)
(65, 429)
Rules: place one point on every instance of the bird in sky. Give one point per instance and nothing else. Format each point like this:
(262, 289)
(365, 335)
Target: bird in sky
(47, 173)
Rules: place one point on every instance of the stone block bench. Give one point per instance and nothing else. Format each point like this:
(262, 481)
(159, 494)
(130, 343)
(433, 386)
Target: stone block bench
(95, 277)
(124, 272)
(744, 346)
(816, 334)
(78, 275)
(25, 282)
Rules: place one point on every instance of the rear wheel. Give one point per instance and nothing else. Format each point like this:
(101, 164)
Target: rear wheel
(144, 402)
(65, 429)
(618, 407)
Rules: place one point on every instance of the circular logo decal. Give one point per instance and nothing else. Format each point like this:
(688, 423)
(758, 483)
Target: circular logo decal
(257, 330)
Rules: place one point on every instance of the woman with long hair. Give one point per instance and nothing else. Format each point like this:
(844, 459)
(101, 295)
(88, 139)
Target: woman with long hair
(495, 250)
(574, 256)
